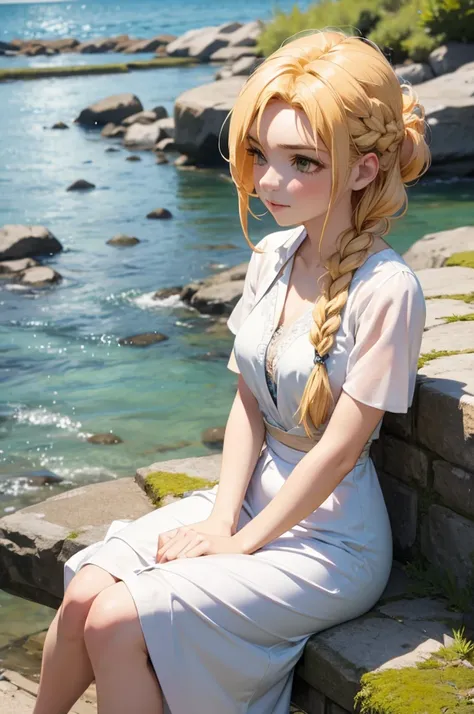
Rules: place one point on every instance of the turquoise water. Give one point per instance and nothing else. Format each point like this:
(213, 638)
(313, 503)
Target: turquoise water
(62, 372)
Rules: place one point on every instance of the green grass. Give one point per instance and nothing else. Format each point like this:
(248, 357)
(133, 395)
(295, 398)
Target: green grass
(464, 259)
(42, 72)
(465, 297)
(434, 354)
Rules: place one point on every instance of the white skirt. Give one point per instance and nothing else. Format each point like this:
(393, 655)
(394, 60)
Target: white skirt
(224, 632)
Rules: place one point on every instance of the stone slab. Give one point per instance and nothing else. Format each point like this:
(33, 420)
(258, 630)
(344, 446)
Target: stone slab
(334, 660)
(436, 310)
(455, 486)
(207, 467)
(18, 696)
(428, 615)
(445, 415)
(449, 336)
(446, 281)
(434, 248)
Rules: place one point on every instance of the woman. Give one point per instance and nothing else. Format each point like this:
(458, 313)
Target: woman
(205, 605)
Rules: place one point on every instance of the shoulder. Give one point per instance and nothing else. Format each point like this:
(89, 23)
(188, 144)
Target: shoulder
(385, 278)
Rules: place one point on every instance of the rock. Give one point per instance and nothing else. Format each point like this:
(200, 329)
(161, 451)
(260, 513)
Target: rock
(60, 125)
(180, 46)
(437, 310)
(247, 35)
(18, 241)
(147, 45)
(202, 47)
(183, 160)
(232, 54)
(112, 131)
(434, 249)
(111, 150)
(12, 267)
(199, 116)
(160, 112)
(113, 109)
(105, 439)
(165, 145)
(213, 437)
(64, 44)
(80, 185)
(449, 107)
(133, 157)
(229, 27)
(446, 281)
(143, 340)
(167, 292)
(90, 47)
(444, 532)
(40, 276)
(123, 240)
(143, 136)
(215, 294)
(42, 477)
(450, 57)
(166, 125)
(161, 158)
(7, 47)
(140, 118)
(242, 67)
(160, 213)
(414, 73)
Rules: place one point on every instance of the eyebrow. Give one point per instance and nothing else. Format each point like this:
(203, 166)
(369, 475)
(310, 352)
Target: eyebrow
(306, 147)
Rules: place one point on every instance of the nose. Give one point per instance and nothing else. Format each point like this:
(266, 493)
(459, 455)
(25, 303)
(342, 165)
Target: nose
(271, 179)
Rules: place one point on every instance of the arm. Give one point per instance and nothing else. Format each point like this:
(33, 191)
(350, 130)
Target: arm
(316, 476)
(243, 441)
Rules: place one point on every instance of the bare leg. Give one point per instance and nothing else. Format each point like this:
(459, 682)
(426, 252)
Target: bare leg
(66, 670)
(125, 678)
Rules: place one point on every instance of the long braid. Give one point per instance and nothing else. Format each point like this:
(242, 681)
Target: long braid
(380, 132)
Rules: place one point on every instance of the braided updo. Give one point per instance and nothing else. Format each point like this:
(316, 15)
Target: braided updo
(354, 102)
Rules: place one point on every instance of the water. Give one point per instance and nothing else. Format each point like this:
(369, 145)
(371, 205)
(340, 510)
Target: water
(63, 375)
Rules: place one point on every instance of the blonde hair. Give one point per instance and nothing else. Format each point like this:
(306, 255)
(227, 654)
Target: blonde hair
(354, 102)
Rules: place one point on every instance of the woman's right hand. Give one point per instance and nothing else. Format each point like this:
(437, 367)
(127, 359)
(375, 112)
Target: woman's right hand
(184, 534)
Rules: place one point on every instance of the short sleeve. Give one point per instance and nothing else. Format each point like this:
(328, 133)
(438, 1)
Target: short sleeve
(243, 306)
(383, 363)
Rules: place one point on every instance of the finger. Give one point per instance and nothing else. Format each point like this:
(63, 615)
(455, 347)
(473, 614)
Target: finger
(176, 548)
(201, 548)
(165, 540)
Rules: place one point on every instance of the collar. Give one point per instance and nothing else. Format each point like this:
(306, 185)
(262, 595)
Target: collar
(275, 258)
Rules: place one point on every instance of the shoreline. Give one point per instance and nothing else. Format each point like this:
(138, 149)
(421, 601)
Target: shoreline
(112, 68)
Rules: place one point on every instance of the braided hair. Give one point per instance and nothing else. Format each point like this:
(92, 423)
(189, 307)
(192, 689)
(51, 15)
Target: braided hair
(354, 102)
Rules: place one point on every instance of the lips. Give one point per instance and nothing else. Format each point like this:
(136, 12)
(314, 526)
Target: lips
(280, 205)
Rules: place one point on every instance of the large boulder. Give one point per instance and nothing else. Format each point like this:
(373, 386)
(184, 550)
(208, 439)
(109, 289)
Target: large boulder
(232, 54)
(434, 249)
(247, 35)
(180, 46)
(199, 114)
(18, 241)
(144, 136)
(451, 56)
(244, 67)
(111, 109)
(449, 106)
(414, 73)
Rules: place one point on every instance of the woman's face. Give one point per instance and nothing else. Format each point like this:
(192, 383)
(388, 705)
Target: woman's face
(287, 168)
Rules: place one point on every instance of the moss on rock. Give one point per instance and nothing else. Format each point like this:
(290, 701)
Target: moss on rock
(434, 354)
(464, 259)
(72, 535)
(442, 683)
(465, 297)
(460, 318)
(159, 484)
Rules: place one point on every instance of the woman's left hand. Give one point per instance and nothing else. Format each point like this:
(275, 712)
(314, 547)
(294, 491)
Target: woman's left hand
(193, 544)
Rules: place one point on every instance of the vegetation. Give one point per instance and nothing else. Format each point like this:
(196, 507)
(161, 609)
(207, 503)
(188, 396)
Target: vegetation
(403, 29)
(434, 354)
(442, 683)
(159, 484)
(41, 72)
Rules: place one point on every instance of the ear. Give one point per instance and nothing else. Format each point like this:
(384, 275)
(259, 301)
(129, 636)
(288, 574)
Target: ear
(364, 171)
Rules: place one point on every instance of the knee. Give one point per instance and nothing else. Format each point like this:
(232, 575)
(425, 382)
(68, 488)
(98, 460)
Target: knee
(77, 602)
(109, 624)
